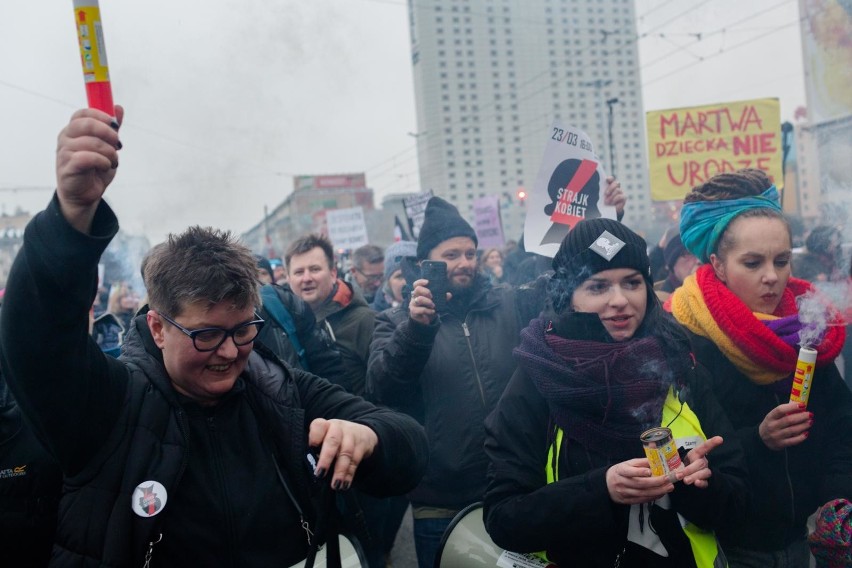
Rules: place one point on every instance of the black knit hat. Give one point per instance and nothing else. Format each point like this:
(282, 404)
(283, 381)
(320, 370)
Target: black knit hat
(673, 251)
(592, 246)
(441, 222)
(263, 264)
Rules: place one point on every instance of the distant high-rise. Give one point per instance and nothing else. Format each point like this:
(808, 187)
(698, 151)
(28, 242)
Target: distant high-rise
(491, 75)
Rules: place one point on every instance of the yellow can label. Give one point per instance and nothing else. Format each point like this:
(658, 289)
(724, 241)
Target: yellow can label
(90, 37)
(655, 461)
(801, 390)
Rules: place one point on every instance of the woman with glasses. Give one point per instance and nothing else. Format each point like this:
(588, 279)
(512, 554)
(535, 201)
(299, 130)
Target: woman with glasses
(197, 447)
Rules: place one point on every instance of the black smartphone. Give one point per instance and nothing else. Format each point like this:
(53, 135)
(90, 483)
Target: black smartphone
(410, 270)
(435, 271)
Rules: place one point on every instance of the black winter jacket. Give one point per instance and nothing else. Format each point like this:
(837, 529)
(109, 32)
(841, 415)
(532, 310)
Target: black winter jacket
(30, 485)
(449, 375)
(347, 322)
(788, 485)
(117, 425)
(574, 519)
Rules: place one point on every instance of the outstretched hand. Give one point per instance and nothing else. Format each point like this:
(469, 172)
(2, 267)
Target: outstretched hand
(697, 470)
(344, 444)
(86, 162)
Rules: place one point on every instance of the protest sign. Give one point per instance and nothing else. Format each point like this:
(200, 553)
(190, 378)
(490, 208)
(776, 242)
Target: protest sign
(415, 210)
(570, 186)
(687, 146)
(487, 222)
(346, 227)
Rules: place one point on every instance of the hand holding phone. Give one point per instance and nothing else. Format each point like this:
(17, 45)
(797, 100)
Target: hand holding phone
(435, 271)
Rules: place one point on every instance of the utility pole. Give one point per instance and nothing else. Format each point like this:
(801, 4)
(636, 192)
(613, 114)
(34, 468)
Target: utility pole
(611, 103)
(598, 85)
(786, 145)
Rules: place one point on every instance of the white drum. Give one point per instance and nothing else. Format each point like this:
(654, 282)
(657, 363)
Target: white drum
(351, 555)
(466, 543)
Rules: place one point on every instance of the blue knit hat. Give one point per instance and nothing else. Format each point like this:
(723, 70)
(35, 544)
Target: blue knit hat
(394, 255)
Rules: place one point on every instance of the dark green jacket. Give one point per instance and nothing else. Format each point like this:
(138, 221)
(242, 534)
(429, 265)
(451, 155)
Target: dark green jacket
(348, 321)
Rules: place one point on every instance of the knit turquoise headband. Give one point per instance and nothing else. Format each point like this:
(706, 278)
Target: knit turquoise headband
(703, 222)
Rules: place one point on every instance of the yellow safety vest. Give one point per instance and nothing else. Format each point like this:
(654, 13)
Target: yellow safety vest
(684, 424)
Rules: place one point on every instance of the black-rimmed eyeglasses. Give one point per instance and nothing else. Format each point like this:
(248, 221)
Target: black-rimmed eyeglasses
(211, 338)
(375, 278)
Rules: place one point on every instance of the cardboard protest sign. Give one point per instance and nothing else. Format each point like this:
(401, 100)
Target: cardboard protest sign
(415, 210)
(346, 227)
(487, 222)
(570, 186)
(687, 146)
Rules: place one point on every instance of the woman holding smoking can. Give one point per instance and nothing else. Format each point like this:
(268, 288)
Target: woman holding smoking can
(568, 477)
(741, 310)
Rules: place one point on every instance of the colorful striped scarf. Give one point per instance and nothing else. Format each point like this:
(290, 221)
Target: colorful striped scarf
(762, 352)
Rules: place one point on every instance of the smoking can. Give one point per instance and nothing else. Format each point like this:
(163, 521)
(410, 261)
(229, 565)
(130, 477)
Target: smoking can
(803, 376)
(661, 450)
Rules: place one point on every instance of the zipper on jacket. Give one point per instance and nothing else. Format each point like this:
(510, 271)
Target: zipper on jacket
(184, 430)
(305, 524)
(150, 552)
(473, 360)
(214, 444)
(789, 480)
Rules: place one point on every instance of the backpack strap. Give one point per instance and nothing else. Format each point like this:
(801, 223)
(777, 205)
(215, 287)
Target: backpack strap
(276, 308)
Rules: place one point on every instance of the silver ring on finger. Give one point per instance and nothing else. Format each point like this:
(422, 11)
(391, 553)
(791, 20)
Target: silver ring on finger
(416, 300)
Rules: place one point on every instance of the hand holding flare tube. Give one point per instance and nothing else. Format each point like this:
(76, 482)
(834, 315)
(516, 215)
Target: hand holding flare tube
(90, 35)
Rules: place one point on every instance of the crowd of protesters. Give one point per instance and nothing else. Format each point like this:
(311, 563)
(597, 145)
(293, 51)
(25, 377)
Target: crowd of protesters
(249, 408)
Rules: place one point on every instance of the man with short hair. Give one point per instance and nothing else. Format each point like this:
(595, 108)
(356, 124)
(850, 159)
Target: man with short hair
(448, 369)
(367, 271)
(339, 308)
(341, 311)
(291, 332)
(190, 450)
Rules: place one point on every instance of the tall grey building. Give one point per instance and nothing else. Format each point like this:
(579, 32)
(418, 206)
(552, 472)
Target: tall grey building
(491, 75)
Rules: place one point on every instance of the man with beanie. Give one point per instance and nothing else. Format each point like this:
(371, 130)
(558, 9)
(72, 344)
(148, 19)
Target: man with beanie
(447, 369)
(264, 270)
(391, 293)
(680, 263)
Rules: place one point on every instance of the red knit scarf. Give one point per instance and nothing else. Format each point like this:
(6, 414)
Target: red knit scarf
(752, 336)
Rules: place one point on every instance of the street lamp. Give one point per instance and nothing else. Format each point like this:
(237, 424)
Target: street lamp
(611, 103)
(598, 85)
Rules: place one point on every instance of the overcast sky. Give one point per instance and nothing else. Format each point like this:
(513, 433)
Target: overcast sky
(227, 99)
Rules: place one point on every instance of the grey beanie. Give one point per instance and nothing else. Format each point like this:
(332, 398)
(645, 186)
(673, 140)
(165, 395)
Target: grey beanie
(395, 253)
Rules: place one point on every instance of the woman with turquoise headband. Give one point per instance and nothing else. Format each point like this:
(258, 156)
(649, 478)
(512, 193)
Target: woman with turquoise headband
(741, 311)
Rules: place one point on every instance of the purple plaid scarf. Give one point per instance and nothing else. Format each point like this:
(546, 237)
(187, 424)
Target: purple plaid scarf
(602, 395)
